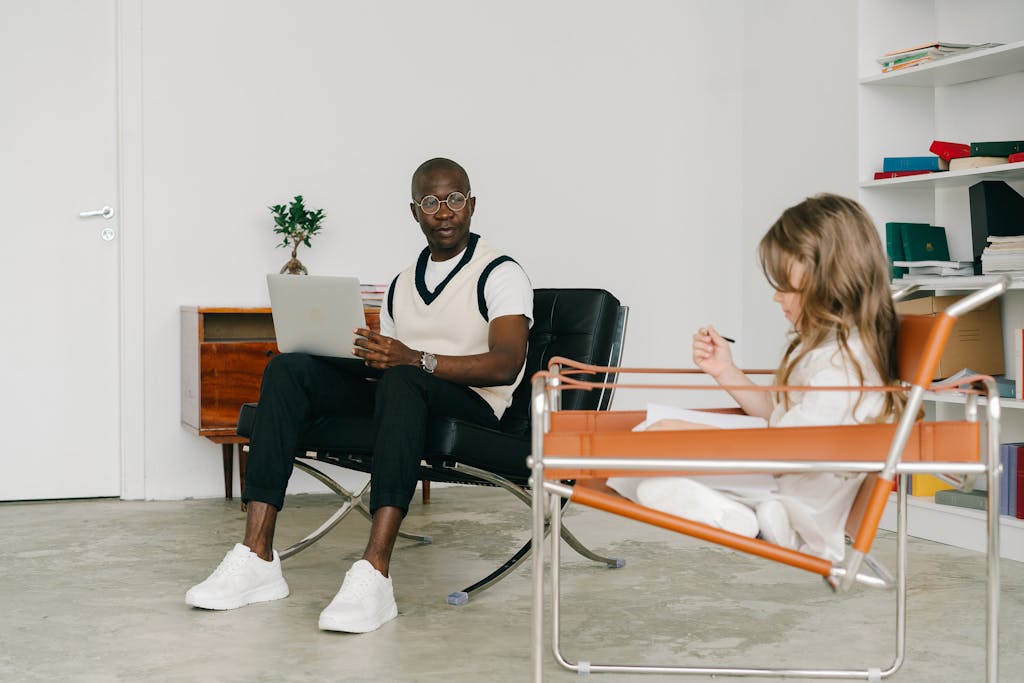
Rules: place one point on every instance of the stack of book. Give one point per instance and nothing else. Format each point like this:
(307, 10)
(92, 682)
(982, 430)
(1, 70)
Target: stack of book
(1003, 254)
(922, 54)
(373, 295)
(1011, 486)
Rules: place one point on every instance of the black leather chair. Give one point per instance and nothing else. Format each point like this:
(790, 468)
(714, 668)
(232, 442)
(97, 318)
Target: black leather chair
(583, 324)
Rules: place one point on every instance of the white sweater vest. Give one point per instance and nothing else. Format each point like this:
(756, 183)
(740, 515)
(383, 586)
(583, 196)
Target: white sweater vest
(452, 320)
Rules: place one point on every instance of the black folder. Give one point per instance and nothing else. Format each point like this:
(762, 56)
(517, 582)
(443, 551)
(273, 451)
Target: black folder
(996, 209)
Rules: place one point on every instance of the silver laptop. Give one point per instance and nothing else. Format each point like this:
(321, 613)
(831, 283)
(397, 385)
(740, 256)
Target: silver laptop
(316, 313)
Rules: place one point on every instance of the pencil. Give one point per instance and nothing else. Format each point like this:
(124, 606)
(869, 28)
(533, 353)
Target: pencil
(731, 341)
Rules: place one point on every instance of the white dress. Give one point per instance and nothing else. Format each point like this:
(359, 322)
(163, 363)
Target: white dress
(806, 512)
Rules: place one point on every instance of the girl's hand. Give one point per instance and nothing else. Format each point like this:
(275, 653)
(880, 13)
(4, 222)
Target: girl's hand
(711, 352)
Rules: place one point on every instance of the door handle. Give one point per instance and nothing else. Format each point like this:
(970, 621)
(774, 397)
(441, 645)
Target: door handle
(106, 212)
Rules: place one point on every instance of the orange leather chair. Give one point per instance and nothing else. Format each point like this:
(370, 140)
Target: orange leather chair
(575, 446)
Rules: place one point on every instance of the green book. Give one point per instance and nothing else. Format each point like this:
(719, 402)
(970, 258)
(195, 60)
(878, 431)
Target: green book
(1000, 148)
(975, 500)
(894, 245)
(924, 242)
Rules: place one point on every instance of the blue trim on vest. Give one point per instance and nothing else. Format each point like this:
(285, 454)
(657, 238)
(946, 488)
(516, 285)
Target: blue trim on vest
(421, 270)
(480, 301)
(391, 298)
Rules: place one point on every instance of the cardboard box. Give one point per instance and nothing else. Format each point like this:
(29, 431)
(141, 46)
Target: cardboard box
(976, 341)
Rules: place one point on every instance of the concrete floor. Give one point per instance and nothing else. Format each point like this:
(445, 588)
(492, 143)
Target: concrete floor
(93, 591)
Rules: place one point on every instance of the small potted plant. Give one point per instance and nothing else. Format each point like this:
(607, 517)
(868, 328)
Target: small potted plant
(296, 224)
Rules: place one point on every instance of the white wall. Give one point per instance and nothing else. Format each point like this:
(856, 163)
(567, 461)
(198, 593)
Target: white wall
(639, 147)
(800, 135)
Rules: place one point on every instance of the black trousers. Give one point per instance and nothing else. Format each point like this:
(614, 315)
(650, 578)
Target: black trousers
(298, 388)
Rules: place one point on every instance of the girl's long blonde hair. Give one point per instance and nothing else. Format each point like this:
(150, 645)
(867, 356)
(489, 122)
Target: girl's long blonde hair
(845, 286)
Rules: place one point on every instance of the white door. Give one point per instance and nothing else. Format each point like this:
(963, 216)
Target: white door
(59, 281)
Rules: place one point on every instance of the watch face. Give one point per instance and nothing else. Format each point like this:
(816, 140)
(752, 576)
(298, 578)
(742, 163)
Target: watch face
(429, 362)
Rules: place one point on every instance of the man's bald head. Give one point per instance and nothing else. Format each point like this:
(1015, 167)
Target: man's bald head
(431, 166)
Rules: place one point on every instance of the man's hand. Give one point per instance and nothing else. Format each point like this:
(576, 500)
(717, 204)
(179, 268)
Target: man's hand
(381, 352)
(499, 365)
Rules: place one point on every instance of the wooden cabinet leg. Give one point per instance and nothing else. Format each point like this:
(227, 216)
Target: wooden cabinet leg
(243, 460)
(228, 453)
(425, 492)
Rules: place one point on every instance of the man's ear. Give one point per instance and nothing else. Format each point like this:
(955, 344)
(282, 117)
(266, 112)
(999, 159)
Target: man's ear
(412, 207)
(472, 205)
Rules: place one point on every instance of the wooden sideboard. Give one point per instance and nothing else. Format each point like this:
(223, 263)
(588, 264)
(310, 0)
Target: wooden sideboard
(223, 353)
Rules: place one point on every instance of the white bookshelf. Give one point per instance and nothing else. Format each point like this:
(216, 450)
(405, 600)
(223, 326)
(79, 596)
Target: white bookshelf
(956, 526)
(963, 178)
(1007, 403)
(969, 97)
(974, 65)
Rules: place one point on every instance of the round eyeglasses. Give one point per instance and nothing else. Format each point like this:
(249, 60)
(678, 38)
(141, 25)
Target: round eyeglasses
(430, 204)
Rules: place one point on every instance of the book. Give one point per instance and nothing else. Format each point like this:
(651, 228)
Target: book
(1015, 158)
(1011, 477)
(1008, 479)
(973, 500)
(882, 175)
(950, 150)
(1020, 482)
(914, 164)
(938, 44)
(924, 243)
(942, 268)
(1006, 385)
(929, 52)
(976, 162)
(926, 485)
(906, 64)
(1018, 356)
(1001, 148)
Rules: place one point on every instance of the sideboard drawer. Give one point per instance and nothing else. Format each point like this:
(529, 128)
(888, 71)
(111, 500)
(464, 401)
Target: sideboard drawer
(230, 374)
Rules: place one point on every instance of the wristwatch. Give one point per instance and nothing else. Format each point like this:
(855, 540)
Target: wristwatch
(428, 362)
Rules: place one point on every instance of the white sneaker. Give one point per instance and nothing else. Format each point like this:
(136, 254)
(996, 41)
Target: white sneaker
(240, 579)
(365, 602)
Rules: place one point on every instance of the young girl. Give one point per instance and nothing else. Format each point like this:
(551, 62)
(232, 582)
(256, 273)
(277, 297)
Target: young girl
(825, 261)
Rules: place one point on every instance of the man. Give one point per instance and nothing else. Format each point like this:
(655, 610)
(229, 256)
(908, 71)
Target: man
(441, 350)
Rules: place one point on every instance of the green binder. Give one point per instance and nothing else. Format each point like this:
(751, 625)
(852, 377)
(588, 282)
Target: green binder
(999, 148)
(924, 242)
(894, 245)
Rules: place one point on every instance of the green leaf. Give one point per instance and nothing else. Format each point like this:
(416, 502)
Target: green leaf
(295, 222)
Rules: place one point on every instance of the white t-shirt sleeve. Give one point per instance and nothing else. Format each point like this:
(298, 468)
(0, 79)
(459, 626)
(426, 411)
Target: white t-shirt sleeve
(508, 292)
(387, 323)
